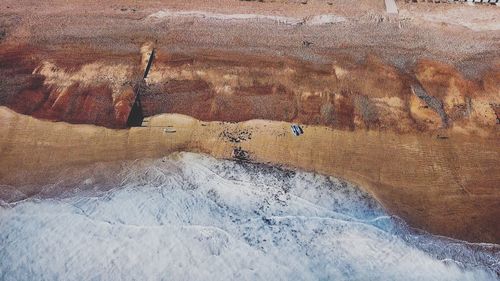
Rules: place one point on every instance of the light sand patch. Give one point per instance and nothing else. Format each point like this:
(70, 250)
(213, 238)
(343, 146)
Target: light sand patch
(114, 75)
(146, 50)
(474, 18)
(324, 19)
(393, 102)
(340, 72)
(166, 14)
(312, 20)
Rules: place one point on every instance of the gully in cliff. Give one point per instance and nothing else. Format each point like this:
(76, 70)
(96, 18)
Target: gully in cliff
(136, 115)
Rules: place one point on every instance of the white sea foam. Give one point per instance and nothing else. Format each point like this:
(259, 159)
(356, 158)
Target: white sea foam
(191, 217)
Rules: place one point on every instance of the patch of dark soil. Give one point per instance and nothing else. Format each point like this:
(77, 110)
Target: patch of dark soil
(235, 136)
(240, 154)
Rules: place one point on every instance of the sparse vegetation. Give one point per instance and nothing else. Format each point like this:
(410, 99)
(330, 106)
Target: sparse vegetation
(367, 110)
(327, 113)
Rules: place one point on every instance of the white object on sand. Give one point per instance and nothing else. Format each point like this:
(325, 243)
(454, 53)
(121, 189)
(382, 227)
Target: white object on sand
(390, 7)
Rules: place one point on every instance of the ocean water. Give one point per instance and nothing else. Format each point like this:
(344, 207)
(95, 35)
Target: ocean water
(191, 217)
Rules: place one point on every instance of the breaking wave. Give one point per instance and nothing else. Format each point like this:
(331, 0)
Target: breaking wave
(192, 217)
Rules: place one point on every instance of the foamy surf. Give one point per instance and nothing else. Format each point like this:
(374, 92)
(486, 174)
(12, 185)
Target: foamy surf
(192, 217)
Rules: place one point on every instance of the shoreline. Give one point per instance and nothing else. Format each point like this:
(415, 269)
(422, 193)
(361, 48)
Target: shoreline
(407, 107)
(442, 197)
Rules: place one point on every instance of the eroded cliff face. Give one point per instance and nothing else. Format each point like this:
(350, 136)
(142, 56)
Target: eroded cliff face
(408, 111)
(232, 87)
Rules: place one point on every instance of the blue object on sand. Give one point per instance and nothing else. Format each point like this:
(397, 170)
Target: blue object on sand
(300, 129)
(296, 130)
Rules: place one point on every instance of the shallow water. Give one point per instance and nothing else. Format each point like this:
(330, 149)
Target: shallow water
(192, 217)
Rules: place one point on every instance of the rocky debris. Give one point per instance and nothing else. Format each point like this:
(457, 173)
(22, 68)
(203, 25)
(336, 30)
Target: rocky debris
(306, 43)
(125, 8)
(235, 135)
(240, 154)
